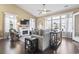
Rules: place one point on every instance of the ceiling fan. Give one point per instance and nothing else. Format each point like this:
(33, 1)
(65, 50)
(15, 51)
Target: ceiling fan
(44, 10)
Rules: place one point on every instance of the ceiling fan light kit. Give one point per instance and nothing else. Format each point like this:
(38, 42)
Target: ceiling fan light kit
(43, 10)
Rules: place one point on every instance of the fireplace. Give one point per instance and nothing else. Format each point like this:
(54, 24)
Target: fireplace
(24, 31)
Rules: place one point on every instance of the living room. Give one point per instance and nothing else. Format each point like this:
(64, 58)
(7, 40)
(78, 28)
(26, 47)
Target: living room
(49, 29)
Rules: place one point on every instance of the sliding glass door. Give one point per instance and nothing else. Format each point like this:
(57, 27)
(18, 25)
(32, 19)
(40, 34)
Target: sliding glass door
(76, 27)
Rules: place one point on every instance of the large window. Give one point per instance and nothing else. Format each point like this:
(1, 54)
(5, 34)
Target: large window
(56, 22)
(63, 22)
(48, 23)
(32, 23)
(70, 25)
(9, 19)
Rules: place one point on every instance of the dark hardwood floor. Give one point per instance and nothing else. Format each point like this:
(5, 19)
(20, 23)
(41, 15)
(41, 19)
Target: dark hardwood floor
(67, 46)
(8, 47)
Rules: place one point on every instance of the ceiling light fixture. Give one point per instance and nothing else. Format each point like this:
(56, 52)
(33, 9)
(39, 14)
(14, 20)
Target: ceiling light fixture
(43, 10)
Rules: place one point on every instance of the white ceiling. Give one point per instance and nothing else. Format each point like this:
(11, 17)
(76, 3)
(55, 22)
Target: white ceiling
(33, 8)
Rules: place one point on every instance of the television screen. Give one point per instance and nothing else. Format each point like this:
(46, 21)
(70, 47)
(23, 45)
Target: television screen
(24, 22)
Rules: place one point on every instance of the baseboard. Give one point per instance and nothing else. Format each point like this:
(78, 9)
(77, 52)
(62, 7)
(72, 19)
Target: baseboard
(75, 41)
(67, 37)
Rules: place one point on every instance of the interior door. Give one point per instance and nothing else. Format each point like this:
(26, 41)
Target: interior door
(76, 27)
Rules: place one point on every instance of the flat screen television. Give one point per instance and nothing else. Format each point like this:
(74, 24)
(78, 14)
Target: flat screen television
(24, 22)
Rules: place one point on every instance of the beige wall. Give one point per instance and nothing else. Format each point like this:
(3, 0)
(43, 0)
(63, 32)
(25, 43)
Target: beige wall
(40, 21)
(1, 24)
(10, 8)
